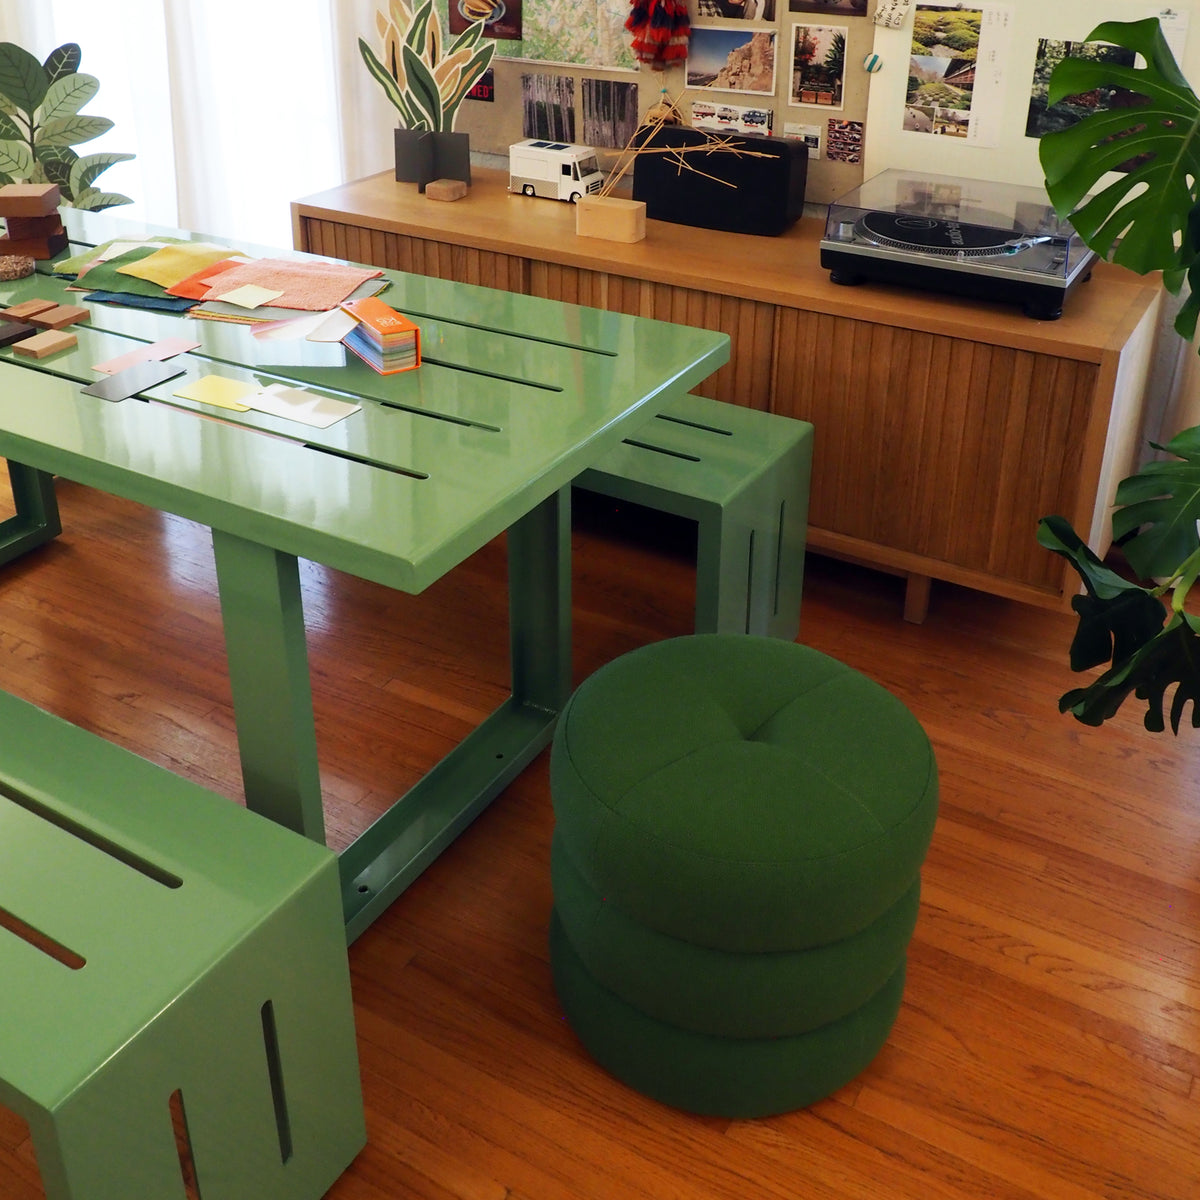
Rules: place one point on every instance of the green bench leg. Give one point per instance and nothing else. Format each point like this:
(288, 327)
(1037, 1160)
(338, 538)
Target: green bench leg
(36, 520)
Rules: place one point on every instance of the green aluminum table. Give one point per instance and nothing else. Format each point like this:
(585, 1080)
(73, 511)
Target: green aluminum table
(515, 397)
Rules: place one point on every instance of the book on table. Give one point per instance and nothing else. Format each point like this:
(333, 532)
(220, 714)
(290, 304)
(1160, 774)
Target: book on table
(383, 338)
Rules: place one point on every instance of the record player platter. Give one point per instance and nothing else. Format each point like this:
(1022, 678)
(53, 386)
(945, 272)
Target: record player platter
(983, 240)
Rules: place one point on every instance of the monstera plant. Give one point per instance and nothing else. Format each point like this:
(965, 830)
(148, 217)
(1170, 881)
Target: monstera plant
(40, 124)
(1148, 219)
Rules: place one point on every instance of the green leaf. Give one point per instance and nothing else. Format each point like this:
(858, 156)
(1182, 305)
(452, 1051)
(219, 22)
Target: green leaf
(1116, 617)
(422, 89)
(1148, 208)
(16, 159)
(391, 88)
(66, 96)
(70, 131)
(468, 37)
(1170, 659)
(9, 130)
(22, 78)
(1159, 506)
(63, 61)
(474, 69)
(93, 200)
(58, 170)
(85, 169)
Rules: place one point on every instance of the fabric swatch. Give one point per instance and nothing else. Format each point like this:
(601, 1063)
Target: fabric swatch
(172, 264)
(196, 287)
(308, 285)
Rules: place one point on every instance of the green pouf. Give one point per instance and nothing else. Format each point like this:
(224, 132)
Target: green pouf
(743, 793)
(717, 992)
(729, 1077)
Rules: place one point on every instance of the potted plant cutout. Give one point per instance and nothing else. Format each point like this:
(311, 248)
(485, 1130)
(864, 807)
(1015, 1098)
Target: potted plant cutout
(426, 82)
(40, 122)
(1148, 220)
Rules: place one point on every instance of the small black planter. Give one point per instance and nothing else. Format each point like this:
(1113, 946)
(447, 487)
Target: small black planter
(422, 156)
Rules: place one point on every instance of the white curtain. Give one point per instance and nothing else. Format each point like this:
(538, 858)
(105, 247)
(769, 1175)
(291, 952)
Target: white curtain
(233, 108)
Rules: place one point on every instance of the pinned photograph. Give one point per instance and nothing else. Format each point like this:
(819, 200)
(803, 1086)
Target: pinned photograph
(839, 8)
(941, 71)
(548, 104)
(732, 60)
(735, 10)
(610, 112)
(818, 65)
(730, 118)
(844, 141)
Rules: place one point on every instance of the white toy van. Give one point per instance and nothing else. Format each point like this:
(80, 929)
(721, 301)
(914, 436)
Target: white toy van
(558, 170)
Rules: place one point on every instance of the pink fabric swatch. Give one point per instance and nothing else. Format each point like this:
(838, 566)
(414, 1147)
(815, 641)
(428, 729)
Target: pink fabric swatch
(311, 286)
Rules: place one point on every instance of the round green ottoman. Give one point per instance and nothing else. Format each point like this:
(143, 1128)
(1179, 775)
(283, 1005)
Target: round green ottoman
(740, 827)
(722, 993)
(728, 1077)
(742, 793)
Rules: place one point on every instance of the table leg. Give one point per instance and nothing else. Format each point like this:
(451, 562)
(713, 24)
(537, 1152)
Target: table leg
(263, 616)
(389, 855)
(36, 519)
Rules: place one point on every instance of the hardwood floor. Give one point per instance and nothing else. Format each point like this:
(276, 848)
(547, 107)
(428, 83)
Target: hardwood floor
(1048, 1047)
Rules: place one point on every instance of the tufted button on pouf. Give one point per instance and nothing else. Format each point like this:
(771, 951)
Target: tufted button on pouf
(740, 825)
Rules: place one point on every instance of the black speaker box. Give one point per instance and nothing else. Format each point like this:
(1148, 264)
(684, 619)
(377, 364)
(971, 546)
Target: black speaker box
(767, 192)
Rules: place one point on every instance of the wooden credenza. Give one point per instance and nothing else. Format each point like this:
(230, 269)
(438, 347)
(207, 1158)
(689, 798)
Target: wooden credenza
(944, 427)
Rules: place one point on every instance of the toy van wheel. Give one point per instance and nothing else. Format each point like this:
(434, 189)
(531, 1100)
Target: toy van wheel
(574, 197)
(528, 189)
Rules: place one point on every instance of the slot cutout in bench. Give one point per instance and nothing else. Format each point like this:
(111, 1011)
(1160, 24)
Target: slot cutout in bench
(106, 845)
(41, 941)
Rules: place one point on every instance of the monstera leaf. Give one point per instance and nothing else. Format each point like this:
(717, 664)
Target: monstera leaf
(1159, 507)
(1123, 623)
(1146, 219)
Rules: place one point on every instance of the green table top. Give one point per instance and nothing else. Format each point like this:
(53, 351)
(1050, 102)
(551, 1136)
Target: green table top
(514, 398)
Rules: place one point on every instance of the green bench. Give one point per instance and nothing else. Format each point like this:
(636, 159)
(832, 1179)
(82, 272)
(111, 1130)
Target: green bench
(743, 477)
(176, 1005)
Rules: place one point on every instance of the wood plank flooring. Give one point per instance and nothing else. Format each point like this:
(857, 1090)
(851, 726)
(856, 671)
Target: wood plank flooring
(1048, 1047)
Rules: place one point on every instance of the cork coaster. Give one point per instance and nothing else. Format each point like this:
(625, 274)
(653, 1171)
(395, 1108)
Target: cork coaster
(15, 266)
(41, 345)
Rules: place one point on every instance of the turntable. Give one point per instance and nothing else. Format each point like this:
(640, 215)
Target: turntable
(988, 241)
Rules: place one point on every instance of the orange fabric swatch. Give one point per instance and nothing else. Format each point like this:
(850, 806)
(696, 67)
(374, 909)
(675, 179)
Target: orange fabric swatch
(195, 287)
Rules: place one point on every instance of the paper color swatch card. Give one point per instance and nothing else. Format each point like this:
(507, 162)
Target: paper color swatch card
(132, 380)
(219, 391)
(383, 338)
(155, 352)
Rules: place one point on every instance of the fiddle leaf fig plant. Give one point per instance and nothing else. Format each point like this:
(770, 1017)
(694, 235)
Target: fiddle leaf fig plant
(40, 124)
(425, 81)
(1147, 220)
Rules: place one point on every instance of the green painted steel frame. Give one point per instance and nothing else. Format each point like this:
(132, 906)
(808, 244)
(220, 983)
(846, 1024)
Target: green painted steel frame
(515, 397)
(36, 520)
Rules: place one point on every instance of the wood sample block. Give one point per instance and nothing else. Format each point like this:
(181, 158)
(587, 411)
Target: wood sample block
(34, 227)
(15, 331)
(49, 341)
(41, 248)
(610, 217)
(26, 309)
(28, 199)
(60, 316)
(446, 189)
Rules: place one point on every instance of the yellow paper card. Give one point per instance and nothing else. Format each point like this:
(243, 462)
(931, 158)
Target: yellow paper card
(219, 391)
(175, 263)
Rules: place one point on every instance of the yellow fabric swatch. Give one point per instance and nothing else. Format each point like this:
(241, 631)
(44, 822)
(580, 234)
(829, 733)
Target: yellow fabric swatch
(173, 264)
(219, 391)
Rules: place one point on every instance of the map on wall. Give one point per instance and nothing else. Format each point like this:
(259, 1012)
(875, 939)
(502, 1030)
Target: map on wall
(588, 33)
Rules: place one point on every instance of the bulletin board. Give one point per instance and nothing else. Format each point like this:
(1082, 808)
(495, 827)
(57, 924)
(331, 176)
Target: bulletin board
(830, 118)
(1014, 33)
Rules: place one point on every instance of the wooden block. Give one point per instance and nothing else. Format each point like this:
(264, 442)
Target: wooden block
(41, 248)
(15, 331)
(60, 316)
(610, 217)
(41, 345)
(26, 309)
(446, 189)
(34, 227)
(28, 199)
